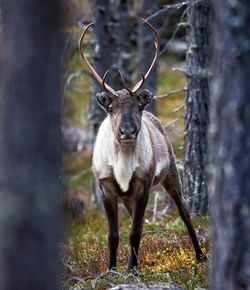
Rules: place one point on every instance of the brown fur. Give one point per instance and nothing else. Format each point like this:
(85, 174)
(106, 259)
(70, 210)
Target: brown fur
(125, 109)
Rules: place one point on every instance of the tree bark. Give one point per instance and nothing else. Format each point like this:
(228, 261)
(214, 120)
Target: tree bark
(31, 147)
(146, 48)
(102, 54)
(112, 43)
(196, 116)
(230, 145)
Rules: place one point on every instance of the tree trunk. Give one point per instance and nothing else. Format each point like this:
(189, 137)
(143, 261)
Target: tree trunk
(146, 48)
(112, 45)
(196, 116)
(30, 126)
(103, 57)
(124, 35)
(230, 145)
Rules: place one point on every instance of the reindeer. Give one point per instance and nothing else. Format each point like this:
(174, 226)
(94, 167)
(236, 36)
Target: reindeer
(132, 154)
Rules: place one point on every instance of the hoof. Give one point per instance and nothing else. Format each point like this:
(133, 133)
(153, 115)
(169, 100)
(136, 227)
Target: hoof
(113, 268)
(201, 258)
(133, 271)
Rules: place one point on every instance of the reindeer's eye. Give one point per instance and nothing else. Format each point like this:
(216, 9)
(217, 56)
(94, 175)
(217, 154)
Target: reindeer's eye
(140, 107)
(110, 109)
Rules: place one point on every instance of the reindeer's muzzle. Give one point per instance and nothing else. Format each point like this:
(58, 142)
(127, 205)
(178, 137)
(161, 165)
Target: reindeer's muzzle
(128, 133)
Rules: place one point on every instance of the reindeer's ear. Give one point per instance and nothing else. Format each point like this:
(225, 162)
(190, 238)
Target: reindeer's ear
(104, 100)
(144, 98)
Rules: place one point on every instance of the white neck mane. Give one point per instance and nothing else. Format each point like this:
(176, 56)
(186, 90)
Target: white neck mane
(109, 157)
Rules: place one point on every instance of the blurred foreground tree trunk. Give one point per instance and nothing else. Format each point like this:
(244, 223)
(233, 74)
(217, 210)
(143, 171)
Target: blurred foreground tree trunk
(111, 50)
(196, 116)
(31, 150)
(146, 48)
(230, 145)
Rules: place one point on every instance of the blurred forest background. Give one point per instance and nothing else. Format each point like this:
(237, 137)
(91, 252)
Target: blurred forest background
(201, 87)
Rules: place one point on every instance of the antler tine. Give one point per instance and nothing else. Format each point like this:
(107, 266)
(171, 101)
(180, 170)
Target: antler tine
(104, 78)
(94, 73)
(124, 82)
(157, 50)
(140, 83)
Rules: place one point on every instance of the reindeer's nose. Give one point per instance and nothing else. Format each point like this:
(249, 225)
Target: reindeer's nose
(127, 132)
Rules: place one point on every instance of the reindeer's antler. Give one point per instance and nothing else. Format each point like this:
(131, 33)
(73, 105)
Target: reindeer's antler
(100, 80)
(124, 82)
(144, 77)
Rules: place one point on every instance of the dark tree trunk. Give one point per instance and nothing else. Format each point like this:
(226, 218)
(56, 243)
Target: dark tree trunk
(146, 48)
(103, 57)
(196, 116)
(103, 60)
(124, 34)
(230, 145)
(112, 45)
(30, 127)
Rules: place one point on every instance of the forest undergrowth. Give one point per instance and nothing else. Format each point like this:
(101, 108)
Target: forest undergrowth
(166, 253)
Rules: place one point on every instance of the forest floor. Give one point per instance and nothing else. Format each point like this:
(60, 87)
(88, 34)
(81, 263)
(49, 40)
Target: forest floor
(166, 253)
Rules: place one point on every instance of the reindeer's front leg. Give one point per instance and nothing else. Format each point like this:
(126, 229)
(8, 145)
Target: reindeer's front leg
(139, 203)
(109, 197)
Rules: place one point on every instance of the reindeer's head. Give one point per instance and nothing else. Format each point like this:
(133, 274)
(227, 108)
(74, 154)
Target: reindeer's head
(125, 106)
(125, 111)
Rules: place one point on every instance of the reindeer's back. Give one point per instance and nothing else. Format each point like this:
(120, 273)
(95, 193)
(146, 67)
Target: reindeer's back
(155, 122)
(160, 144)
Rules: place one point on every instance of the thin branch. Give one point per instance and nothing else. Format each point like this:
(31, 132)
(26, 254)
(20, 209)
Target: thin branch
(181, 70)
(66, 46)
(73, 76)
(172, 123)
(173, 92)
(180, 24)
(178, 108)
(168, 7)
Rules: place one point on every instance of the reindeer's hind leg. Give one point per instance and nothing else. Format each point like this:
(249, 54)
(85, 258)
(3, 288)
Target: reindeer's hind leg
(172, 184)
